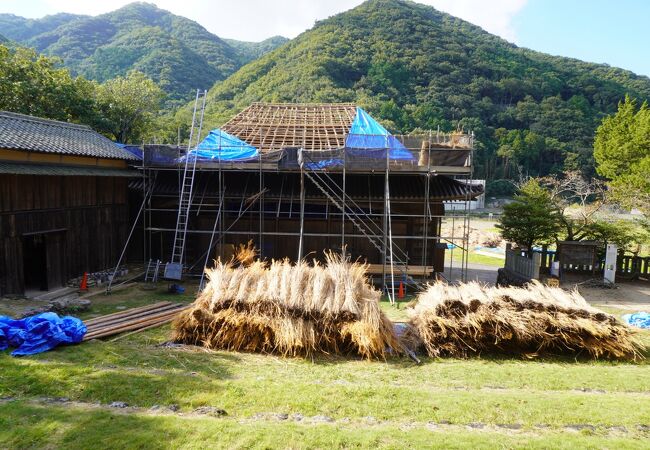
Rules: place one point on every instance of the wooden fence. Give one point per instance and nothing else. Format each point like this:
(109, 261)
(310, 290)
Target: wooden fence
(627, 266)
(523, 265)
(631, 266)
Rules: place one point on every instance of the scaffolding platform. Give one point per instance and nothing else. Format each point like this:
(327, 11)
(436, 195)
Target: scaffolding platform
(298, 179)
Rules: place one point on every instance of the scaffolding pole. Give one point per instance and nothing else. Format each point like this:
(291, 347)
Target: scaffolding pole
(351, 211)
(343, 215)
(128, 239)
(302, 204)
(260, 239)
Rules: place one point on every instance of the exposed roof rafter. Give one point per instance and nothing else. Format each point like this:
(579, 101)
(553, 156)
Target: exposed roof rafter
(274, 126)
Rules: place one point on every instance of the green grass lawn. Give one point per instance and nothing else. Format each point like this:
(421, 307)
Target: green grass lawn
(474, 258)
(61, 399)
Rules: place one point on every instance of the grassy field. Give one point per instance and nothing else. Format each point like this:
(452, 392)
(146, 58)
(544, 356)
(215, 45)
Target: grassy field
(474, 258)
(184, 397)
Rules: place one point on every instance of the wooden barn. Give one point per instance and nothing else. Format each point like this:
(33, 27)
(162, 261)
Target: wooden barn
(63, 202)
(297, 179)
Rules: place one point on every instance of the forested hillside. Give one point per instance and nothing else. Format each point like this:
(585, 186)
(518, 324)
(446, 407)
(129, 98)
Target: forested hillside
(414, 67)
(250, 51)
(177, 53)
(21, 29)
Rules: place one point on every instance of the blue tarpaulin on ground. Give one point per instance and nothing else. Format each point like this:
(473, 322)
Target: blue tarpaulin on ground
(221, 146)
(39, 333)
(639, 320)
(367, 133)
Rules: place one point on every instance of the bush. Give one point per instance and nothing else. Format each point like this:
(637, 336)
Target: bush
(500, 188)
(493, 240)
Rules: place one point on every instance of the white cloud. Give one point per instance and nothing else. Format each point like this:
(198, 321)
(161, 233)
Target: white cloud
(259, 19)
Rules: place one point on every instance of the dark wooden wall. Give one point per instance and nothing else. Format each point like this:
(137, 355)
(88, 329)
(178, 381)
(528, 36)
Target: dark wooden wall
(83, 220)
(274, 246)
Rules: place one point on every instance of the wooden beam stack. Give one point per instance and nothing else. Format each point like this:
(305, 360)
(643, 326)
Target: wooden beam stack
(135, 319)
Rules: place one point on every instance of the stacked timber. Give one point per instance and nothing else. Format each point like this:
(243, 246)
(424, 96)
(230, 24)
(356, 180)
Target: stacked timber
(131, 320)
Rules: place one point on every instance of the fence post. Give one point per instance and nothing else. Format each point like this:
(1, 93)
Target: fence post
(537, 261)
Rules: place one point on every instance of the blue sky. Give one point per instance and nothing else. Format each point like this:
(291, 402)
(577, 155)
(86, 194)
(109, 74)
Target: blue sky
(615, 32)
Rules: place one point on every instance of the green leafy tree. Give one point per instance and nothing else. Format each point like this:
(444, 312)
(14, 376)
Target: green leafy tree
(128, 107)
(34, 84)
(622, 153)
(532, 218)
(578, 201)
(627, 235)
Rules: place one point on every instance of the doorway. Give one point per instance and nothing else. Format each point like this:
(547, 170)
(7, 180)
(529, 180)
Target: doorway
(35, 263)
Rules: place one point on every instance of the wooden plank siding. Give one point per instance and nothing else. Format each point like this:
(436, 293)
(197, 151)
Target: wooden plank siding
(84, 220)
(322, 233)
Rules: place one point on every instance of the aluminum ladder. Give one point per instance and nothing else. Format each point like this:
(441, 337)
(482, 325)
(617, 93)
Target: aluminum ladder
(153, 269)
(174, 268)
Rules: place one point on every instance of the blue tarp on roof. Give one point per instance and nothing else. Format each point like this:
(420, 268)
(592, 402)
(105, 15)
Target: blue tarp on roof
(39, 333)
(367, 133)
(221, 146)
(135, 150)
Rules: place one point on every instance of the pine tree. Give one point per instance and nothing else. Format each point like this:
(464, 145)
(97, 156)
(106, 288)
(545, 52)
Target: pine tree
(532, 218)
(622, 153)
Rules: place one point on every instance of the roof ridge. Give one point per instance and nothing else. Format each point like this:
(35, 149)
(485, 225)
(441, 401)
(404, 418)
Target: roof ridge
(51, 122)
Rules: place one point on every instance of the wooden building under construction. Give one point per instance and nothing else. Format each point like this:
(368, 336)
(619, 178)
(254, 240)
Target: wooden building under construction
(63, 202)
(298, 179)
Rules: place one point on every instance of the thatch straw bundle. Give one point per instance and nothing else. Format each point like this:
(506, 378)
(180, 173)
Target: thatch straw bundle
(290, 309)
(469, 319)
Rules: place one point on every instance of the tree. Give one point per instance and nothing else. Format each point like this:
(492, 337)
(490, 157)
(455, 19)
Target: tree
(628, 236)
(128, 107)
(33, 84)
(577, 200)
(532, 218)
(622, 153)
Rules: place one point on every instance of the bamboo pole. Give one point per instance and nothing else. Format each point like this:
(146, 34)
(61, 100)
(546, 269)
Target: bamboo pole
(135, 324)
(125, 313)
(131, 317)
(155, 325)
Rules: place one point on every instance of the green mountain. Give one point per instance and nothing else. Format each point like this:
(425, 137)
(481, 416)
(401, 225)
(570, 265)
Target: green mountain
(21, 29)
(176, 52)
(414, 67)
(250, 51)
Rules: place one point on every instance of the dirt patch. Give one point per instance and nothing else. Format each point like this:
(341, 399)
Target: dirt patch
(630, 296)
(642, 430)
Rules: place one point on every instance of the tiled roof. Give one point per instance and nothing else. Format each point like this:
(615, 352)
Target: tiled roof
(63, 170)
(21, 132)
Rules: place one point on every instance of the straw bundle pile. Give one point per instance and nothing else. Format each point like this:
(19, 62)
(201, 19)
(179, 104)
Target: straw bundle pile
(290, 309)
(469, 319)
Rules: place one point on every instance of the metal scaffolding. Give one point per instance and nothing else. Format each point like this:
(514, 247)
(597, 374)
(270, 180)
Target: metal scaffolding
(312, 174)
